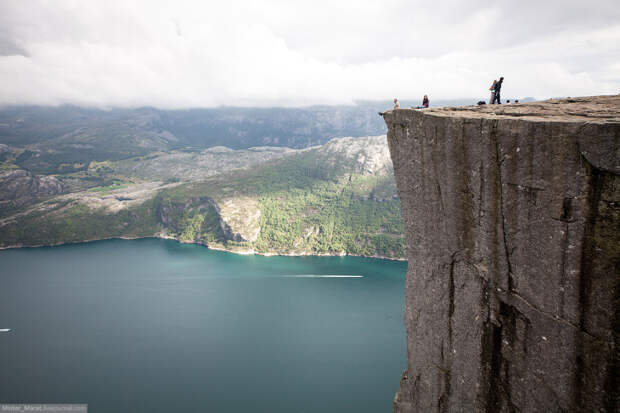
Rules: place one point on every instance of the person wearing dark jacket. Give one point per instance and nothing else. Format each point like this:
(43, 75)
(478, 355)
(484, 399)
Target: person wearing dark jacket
(492, 89)
(497, 88)
(425, 103)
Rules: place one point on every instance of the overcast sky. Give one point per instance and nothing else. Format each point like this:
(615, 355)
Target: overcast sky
(178, 54)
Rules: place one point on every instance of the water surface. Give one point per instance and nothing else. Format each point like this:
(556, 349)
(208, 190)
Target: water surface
(157, 326)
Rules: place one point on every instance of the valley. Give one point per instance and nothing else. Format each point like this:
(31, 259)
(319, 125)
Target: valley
(333, 199)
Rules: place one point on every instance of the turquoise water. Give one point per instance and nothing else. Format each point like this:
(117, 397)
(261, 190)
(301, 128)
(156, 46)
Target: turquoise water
(157, 326)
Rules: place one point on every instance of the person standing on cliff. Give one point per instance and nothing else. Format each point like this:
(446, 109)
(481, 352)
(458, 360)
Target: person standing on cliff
(492, 89)
(396, 104)
(497, 88)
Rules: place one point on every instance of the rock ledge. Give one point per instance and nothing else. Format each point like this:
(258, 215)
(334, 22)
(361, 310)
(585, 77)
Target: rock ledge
(512, 220)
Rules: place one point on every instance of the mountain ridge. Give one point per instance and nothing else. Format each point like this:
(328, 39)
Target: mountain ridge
(335, 199)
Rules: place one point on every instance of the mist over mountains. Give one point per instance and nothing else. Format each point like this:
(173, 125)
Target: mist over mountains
(234, 127)
(66, 139)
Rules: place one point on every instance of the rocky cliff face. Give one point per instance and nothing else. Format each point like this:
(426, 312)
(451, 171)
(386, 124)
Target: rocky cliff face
(512, 221)
(20, 189)
(19, 184)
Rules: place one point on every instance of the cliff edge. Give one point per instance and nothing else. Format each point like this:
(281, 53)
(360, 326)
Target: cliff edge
(512, 219)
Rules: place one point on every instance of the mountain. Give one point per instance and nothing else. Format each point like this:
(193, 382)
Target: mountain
(65, 139)
(338, 198)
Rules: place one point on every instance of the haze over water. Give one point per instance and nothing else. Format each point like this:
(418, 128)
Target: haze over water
(157, 326)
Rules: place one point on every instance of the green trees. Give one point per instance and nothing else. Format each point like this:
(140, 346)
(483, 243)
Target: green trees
(312, 202)
(307, 206)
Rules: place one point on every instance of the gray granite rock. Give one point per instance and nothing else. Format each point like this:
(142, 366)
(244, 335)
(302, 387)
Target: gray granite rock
(22, 184)
(512, 221)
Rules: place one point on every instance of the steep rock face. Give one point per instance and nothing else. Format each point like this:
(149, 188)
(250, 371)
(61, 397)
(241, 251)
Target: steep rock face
(240, 218)
(512, 222)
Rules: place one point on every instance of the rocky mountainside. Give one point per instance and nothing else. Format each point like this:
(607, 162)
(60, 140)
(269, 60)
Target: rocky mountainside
(365, 157)
(339, 198)
(190, 165)
(66, 139)
(19, 188)
(18, 184)
(512, 220)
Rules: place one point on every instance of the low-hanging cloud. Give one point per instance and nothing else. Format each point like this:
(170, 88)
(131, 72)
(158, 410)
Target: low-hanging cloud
(201, 54)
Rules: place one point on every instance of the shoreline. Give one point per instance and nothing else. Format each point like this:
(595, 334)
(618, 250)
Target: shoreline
(213, 248)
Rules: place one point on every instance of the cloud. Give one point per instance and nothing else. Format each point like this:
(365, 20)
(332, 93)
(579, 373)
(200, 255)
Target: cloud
(274, 52)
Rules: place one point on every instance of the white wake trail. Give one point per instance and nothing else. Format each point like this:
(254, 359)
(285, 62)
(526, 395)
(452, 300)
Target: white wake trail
(322, 276)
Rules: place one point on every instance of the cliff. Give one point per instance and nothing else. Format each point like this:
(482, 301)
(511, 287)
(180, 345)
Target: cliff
(512, 224)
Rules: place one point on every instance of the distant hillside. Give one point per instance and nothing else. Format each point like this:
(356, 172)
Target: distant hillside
(238, 179)
(66, 139)
(339, 198)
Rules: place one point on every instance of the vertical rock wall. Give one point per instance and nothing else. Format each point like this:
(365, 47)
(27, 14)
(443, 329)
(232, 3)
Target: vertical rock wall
(512, 221)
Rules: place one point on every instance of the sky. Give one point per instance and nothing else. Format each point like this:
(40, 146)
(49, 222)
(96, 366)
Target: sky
(183, 54)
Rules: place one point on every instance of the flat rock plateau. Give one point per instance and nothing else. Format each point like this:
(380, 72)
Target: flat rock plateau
(512, 216)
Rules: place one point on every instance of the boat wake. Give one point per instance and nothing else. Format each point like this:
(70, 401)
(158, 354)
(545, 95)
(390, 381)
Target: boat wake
(322, 276)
